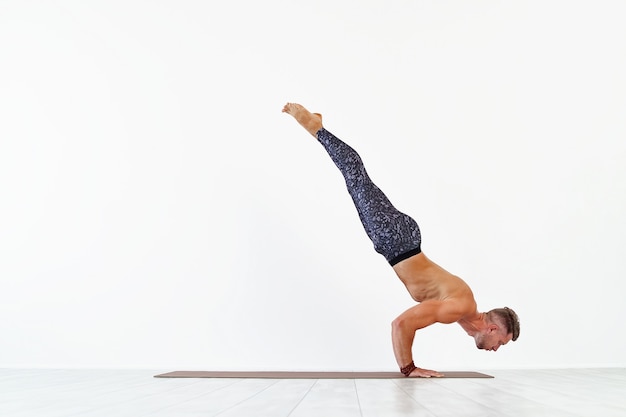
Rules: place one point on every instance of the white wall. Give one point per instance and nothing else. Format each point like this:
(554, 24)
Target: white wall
(159, 211)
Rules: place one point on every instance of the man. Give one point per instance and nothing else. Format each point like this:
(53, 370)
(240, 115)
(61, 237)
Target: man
(442, 297)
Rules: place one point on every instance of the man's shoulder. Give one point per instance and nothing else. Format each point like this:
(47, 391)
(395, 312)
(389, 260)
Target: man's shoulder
(451, 310)
(457, 308)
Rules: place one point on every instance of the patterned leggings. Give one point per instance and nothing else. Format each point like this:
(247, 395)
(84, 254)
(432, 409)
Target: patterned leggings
(395, 235)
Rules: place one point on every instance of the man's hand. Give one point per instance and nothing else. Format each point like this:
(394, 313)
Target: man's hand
(424, 373)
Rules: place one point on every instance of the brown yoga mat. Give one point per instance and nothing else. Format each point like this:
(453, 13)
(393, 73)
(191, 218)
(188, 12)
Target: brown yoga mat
(308, 375)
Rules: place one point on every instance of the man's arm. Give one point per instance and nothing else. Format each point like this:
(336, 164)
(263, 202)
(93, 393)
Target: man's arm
(422, 315)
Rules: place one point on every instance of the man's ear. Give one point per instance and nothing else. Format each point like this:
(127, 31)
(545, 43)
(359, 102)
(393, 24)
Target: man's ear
(493, 328)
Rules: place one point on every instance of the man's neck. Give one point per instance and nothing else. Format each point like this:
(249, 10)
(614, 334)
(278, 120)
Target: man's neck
(474, 324)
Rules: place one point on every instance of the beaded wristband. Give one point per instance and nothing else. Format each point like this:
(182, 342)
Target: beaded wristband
(406, 370)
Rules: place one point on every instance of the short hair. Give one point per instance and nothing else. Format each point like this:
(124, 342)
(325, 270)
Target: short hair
(506, 317)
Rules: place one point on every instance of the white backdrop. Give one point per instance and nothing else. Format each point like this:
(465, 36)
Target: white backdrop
(159, 211)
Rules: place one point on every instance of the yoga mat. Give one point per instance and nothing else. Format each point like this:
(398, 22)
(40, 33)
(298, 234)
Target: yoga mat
(309, 375)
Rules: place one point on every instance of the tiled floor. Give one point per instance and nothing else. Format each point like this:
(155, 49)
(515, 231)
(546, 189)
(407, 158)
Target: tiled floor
(111, 393)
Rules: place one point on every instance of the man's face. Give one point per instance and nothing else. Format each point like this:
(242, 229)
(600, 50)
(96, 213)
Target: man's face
(491, 339)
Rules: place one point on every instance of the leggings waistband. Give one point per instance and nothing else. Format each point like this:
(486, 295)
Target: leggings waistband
(405, 255)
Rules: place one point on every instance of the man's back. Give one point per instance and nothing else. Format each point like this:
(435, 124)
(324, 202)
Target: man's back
(425, 280)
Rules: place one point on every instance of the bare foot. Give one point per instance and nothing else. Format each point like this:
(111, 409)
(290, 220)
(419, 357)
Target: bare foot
(312, 122)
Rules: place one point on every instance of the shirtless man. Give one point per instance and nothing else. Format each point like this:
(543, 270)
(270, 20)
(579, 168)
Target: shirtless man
(442, 297)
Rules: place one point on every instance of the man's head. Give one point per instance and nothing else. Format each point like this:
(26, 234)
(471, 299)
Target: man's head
(502, 327)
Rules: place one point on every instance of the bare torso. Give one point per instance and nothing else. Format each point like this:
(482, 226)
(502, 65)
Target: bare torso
(425, 280)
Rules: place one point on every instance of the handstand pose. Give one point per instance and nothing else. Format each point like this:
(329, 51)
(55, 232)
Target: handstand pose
(442, 297)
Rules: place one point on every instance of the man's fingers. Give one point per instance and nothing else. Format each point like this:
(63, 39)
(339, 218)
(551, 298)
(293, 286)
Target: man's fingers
(425, 373)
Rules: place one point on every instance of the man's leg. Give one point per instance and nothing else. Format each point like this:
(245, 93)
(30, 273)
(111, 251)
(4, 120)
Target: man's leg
(395, 235)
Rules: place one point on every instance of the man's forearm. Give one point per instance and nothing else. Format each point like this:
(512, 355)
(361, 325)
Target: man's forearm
(403, 331)
(402, 343)
(402, 340)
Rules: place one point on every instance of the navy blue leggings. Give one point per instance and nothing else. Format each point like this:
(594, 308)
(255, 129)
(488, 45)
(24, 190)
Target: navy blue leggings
(395, 235)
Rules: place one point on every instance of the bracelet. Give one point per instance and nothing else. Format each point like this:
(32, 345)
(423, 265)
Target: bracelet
(406, 370)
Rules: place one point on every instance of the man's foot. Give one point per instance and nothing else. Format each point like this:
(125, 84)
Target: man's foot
(312, 122)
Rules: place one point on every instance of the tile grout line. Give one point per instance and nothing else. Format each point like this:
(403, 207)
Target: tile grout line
(303, 397)
(159, 393)
(537, 402)
(247, 398)
(358, 400)
(393, 381)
